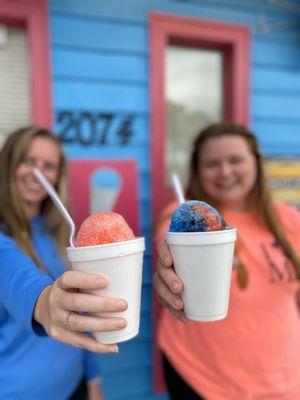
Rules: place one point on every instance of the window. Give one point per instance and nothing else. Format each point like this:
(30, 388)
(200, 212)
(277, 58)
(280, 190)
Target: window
(15, 104)
(194, 99)
(25, 78)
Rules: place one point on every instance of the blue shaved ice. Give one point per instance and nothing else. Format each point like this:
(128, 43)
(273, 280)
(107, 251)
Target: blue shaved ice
(196, 216)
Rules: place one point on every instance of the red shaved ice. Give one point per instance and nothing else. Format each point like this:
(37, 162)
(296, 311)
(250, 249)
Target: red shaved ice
(103, 228)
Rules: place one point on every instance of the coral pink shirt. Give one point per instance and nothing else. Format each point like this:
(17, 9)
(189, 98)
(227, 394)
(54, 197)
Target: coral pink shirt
(254, 353)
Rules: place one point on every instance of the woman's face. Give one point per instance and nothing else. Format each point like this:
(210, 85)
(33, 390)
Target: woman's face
(228, 171)
(44, 154)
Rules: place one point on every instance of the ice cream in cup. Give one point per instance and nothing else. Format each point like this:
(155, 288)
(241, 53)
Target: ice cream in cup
(202, 248)
(106, 246)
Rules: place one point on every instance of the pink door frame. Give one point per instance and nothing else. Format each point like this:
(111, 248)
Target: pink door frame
(234, 42)
(33, 15)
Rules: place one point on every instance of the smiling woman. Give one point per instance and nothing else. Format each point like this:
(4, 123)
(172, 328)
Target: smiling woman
(22, 196)
(253, 352)
(37, 296)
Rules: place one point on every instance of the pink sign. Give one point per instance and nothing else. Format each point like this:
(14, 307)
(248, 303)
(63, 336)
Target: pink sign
(105, 185)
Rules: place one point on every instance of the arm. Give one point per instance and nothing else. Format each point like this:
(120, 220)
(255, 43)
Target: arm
(94, 390)
(29, 295)
(93, 373)
(21, 282)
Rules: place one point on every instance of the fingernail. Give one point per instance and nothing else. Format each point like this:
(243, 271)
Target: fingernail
(177, 304)
(166, 260)
(114, 349)
(100, 282)
(175, 286)
(121, 324)
(122, 305)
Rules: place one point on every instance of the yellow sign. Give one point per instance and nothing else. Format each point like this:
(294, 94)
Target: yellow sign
(283, 177)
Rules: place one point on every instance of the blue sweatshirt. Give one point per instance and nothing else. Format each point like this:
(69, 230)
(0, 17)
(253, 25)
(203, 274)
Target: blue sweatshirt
(32, 365)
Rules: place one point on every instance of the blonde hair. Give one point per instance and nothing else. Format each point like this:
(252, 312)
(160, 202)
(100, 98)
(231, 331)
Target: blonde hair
(261, 194)
(13, 218)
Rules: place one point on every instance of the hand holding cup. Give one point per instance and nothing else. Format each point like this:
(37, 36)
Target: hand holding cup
(60, 306)
(202, 248)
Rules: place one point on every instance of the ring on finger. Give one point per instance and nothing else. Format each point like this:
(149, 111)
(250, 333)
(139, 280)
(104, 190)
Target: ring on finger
(67, 319)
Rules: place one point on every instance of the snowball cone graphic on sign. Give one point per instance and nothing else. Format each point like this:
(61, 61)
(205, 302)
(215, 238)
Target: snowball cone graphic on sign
(105, 186)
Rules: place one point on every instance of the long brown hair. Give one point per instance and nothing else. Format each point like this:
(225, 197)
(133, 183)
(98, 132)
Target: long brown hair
(261, 193)
(13, 218)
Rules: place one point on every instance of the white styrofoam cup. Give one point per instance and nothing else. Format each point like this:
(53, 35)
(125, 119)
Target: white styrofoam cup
(203, 261)
(121, 263)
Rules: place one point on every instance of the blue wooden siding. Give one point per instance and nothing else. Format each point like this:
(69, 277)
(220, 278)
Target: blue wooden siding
(100, 62)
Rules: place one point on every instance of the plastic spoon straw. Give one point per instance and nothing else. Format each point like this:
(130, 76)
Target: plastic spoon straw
(52, 193)
(178, 189)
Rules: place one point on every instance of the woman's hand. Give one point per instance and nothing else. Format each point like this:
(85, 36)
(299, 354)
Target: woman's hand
(59, 305)
(167, 284)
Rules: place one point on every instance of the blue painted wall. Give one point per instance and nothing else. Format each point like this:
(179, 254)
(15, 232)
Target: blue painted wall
(100, 63)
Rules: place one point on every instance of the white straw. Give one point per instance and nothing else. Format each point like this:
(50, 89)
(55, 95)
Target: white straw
(52, 193)
(178, 188)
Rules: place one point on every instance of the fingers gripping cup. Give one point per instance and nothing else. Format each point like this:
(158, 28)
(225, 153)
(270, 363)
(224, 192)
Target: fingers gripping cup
(120, 259)
(203, 259)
